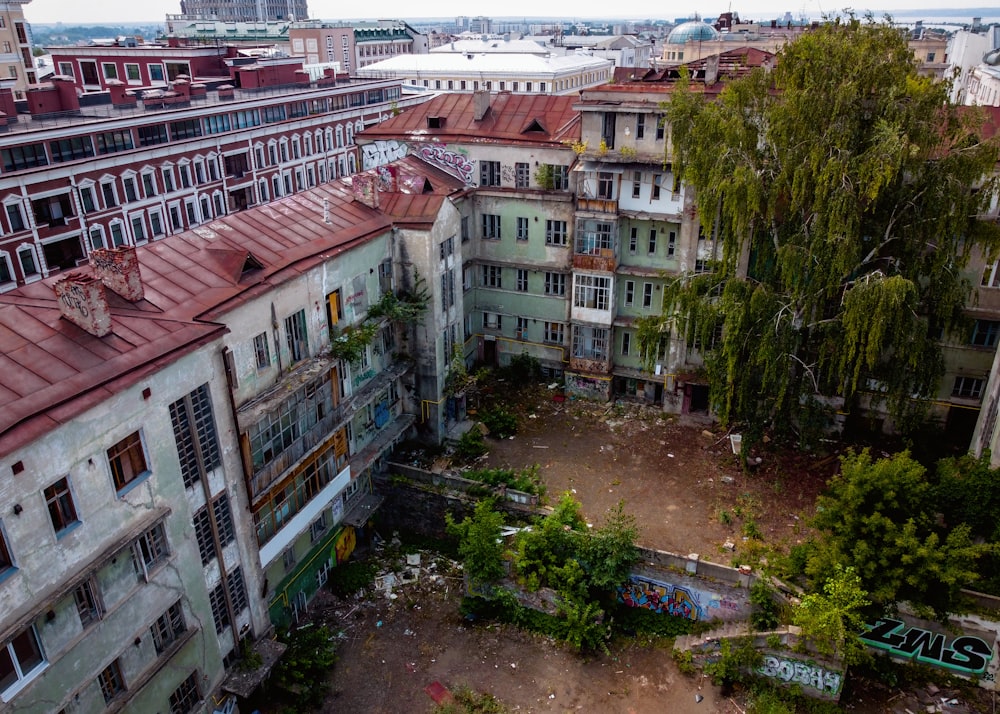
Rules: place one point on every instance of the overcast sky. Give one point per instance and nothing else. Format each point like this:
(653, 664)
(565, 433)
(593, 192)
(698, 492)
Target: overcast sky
(115, 11)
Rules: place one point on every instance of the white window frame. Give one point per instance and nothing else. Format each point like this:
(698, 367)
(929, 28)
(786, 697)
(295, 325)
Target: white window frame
(29, 248)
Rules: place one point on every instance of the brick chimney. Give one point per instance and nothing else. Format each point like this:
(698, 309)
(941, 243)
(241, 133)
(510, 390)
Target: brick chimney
(118, 269)
(83, 302)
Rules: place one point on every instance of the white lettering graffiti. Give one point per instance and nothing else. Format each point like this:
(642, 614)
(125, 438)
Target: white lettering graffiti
(804, 673)
(452, 162)
(379, 153)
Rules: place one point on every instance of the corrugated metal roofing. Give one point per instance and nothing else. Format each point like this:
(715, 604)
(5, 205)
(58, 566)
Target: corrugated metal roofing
(51, 370)
(511, 119)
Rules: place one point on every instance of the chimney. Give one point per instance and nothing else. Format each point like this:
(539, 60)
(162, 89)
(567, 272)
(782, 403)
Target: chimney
(480, 103)
(83, 302)
(118, 269)
(711, 70)
(365, 187)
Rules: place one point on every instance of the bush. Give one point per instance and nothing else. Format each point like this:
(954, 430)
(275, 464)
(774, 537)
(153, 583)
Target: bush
(471, 445)
(500, 422)
(525, 480)
(348, 578)
(303, 671)
(522, 370)
(765, 609)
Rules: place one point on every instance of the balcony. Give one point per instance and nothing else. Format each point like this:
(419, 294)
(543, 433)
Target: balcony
(597, 205)
(267, 474)
(382, 443)
(595, 365)
(600, 259)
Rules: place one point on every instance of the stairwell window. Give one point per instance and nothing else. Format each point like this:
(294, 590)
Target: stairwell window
(296, 338)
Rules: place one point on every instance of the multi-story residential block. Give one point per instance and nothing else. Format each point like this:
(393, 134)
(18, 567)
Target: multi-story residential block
(17, 66)
(189, 453)
(528, 73)
(246, 10)
(114, 442)
(120, 168)
(515, 152)
(355, 44)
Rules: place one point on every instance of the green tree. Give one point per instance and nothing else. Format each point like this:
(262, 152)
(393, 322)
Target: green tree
(832, 619)
(304, 670)
(610, 551)
(878, 517)
(839, 183)
(480, 544)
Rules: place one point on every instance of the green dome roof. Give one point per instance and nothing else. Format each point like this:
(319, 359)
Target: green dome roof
(695, 30)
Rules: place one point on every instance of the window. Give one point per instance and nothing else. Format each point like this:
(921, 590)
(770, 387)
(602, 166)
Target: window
(446, 248)
(633, 240)
(447, 288)
(491, 226)
(522, 280)
(26, 156)
(671, 243)
(109, 194)
(203, 534)
(138, 229)
(660, 127)
(87, 199)
(636, 183)
(489, 173)
(26, 256)
(647, 296)
(97, 237)
(111, 681)
(185, 129)
(590, 342)
(117, 233)
(492, 321)
(130, 191)
(968, 387)
(6, 276)
(295, 336)
(626, 343)
(110, 70)
(521, 331)
(984, 333)
(591, 291)
(629, 293)
(152, 135)
(522, 175)
(223, 520)
(132, 72)
(466, 230)
(991, 276)
(186, 696)
(128, 461)
(492, 276)
(640, 126)
(195, 435)
(59, 500)
(522, 228)
(168, 179)
(651, 247)
(555, 283)
(111, 142)
(15, 216)
(168, 627)
(88, 606)
(553, 332)
(560, 177)
(150, 550)
(156, 223)
(555, 232)
(20, 658)
(657, 181)
(318, 527)
(78, 147)
(155, 72)
(261, 352)
(220, 614)
(593, 237)
(605, 185)
(237, 590)
(148, 185)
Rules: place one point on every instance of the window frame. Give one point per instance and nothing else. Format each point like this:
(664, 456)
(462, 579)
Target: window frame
(61, 506)
(124, 482)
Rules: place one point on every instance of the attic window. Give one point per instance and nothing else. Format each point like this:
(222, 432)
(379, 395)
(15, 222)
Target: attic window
(250, 264)
(435, 122)
(428, 188)
(535, 125)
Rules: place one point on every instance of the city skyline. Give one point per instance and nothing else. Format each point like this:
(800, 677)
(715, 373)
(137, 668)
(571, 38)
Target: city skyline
(120, 11)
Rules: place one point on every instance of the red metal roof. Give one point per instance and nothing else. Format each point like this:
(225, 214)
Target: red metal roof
(511, 119)
(51, 370)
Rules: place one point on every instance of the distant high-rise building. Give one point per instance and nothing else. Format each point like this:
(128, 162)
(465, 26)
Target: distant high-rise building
(245, 10)
(17, 67)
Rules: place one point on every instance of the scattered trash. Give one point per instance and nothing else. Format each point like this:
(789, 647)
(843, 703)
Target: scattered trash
(409, 633)
(670, 456)
(378, 624)
(413, 558)
(698, 698)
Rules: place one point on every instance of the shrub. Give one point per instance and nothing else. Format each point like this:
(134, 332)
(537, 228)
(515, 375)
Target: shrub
(348, 578)
(500, 422)
(765, 609)
(471, 445)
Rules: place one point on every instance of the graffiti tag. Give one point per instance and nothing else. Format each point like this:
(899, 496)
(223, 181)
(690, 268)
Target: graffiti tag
(967, 655)
(382, 152)
(808, 674)
(662, 598)
(451, 161)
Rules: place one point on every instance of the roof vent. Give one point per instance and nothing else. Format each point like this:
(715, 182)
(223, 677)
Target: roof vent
(435, 122)
(480, 104)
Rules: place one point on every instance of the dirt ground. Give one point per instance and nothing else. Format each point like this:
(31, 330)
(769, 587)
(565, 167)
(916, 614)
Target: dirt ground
(683, 484)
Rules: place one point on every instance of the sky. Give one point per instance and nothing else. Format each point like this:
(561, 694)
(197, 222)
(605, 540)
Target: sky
(117, 11)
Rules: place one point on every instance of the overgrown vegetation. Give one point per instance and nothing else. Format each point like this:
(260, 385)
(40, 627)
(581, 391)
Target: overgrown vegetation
(526, 480)
(831, 620)
(500, 422)
(302, 673)
(350, 577)
(407, 308)
(467, 701)
(853, 202)
(471, 445)
(560, 552)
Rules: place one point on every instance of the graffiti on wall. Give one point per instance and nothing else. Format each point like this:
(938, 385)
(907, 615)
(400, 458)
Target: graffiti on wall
(451, 161)
(672, 599)
(806, 674)
(965, 654)
(588, 387)
(381, 152)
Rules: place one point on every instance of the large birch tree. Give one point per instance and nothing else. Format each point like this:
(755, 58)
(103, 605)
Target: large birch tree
(847, 194)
